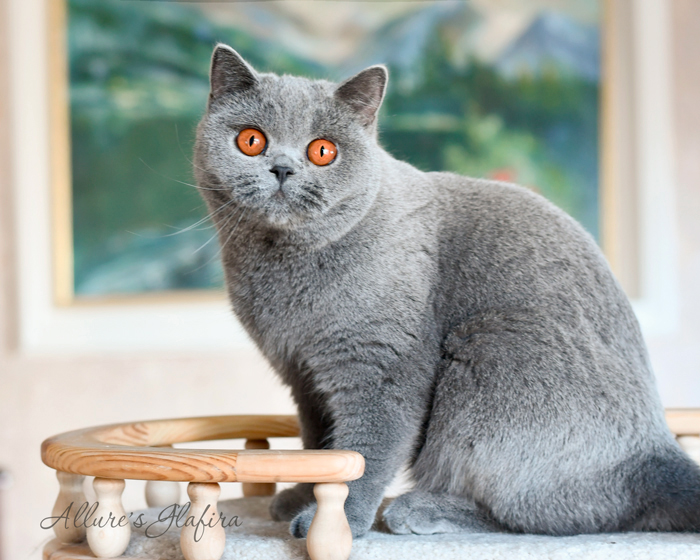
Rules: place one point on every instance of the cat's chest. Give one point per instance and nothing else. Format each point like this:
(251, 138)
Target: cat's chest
(279, 282)
(280, 293)
(292, 302)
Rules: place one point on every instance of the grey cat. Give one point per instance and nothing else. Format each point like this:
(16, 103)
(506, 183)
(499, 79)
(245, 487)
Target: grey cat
(467, 328)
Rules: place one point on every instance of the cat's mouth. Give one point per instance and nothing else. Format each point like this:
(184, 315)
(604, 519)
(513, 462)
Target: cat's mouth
(289, 206)
(278, 209)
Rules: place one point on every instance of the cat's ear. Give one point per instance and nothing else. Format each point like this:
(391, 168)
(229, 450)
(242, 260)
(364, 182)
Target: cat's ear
(229, 72)
(364, 93)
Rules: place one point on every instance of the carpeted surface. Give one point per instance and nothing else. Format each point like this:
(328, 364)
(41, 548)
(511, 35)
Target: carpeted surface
(258, 537)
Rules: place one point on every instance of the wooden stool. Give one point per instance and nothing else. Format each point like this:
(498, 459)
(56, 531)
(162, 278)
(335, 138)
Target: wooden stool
(142, 451)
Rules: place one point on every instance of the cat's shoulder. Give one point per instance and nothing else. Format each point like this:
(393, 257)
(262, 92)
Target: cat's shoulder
(501, 204)
(464, 186)
(462, 190)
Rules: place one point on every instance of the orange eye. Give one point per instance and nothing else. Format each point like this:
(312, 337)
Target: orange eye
(322, 152)
(251, 141)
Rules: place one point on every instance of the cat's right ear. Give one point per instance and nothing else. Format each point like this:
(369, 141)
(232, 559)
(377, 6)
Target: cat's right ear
(229, 72)
(364, 93)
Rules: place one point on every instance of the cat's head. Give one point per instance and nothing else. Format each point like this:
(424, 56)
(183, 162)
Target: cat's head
(292, 152)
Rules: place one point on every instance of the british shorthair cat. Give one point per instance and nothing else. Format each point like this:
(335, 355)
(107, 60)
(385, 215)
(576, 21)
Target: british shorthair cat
(465, 327)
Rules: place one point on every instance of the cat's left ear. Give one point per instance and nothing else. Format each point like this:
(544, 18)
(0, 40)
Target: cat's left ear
(364, 93)
(229, 72)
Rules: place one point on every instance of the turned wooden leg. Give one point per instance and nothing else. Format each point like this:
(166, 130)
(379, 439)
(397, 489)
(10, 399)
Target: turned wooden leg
(109, 530)
(329, 536)
(258, 488)
(162, 493)
(70, 498)
(203, 536)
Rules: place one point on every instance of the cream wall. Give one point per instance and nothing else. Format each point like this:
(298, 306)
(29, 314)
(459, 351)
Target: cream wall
(40, 396)
(676, 357)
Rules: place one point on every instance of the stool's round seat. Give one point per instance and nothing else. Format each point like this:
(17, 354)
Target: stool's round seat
(140, 451)
(143, 451)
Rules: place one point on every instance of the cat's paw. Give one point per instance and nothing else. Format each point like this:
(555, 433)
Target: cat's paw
(423, 513)
(288, 503)
(360, 521)
(299, 527)
(401, 518)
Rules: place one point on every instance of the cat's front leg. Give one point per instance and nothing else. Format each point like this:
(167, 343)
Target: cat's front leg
(377, 414)
(288, 503)
(315, 434)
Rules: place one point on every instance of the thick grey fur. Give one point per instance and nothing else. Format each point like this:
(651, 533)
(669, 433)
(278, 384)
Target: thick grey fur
(466, 327)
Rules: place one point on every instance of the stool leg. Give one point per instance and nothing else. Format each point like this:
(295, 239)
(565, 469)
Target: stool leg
(329, 536)
(70, 499)
(203, 536)
(108, 530)
(258, 488)
(162, 493)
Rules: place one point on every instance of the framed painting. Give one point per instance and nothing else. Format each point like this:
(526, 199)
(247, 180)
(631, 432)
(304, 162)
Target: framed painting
(509, 90)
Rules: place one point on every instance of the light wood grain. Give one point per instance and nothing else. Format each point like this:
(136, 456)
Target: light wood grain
(182, 430)
(70, 498)
(110, 530)
(203, 536)
(61, 173)
(125, 451)
(329, 536)
(129, 448)
(263, 488)
(618, 187)
(162, 493)
(683, 421)
(56, 550)
(691, 445)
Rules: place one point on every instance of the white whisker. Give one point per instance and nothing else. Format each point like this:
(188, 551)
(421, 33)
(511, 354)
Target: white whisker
(200, 222)
(178, 181)
(177, 137)
(225, 242)
(215, 235)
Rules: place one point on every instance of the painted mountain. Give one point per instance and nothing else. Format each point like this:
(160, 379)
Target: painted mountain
(554, 41)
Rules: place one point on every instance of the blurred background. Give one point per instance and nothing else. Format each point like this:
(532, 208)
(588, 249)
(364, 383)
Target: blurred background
(502, 90)
(105, 316)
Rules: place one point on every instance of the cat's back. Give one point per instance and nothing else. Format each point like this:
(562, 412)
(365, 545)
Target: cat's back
(507, 217)
(505, 229)
(503, 247)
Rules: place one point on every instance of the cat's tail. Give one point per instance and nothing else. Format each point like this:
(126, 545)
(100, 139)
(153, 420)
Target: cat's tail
(666, 487)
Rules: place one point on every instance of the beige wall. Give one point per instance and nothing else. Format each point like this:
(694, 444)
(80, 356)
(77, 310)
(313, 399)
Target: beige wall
(680, 353)
(40, 397)
(43, 396)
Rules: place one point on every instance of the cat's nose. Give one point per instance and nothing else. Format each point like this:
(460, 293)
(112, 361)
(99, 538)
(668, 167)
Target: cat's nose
(281, 172)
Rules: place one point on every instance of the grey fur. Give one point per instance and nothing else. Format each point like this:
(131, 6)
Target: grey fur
(468, 327)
